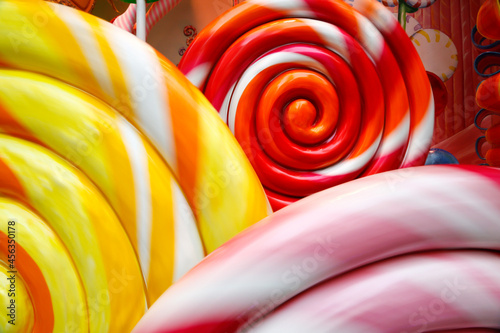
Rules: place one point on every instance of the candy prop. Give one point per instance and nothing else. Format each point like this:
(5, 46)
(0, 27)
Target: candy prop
(488, 94)
(296, 92)
(482, 43)
(329, 234)
(412, 25)
(150, 189)
(126, 21)
(487, 65)
(437, 51)
(488, 98)
(156, 12)
(405, 7)
(488, 18)
(96, 139)
(216, 178)
(440, 156)
(91, 233)
(370, 299)
(411, 3)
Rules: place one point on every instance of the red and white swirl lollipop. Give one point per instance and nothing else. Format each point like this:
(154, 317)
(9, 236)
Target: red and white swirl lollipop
(316, 92)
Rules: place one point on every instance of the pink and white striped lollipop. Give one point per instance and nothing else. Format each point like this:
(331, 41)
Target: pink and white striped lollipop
(408, 294)
(156, 12)
(329, 234)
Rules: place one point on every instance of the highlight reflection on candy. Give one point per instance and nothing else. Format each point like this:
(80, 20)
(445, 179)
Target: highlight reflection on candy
(334, 232)
(94, 147)
(315, 103)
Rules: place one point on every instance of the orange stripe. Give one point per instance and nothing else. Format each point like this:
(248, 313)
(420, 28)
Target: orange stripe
(10, 184)
(185, 126)
(10, 125)
(36, 285)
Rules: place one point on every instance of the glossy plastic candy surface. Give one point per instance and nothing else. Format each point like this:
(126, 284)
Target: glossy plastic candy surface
(281, 261)
(119, 165)
(317, 93)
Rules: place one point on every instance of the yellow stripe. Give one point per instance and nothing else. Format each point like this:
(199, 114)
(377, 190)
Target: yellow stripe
(454, 57)
(88, 228)
(122, 100)
(448, 45)
(162, 235)
(452, 68)
(55, 263)
(425, 34)
(445, 78)
(438, 36)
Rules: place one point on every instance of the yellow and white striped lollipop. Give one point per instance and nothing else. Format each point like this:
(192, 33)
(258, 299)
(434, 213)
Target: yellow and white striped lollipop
(437, 51)
(108, 146)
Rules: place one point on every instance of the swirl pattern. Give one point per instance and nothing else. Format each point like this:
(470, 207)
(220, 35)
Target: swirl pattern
(316, 92)
(115, 193)
(357, 265)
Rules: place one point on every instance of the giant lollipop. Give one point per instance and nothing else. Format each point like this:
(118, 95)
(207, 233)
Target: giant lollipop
(281, 261)
(315, 103)
(143, 190)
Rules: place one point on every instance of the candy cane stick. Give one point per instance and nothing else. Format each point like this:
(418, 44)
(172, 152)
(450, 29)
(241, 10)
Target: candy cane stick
(126, 21)
(155, 13)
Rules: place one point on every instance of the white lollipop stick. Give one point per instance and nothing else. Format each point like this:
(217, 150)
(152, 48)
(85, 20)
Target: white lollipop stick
(141, 20)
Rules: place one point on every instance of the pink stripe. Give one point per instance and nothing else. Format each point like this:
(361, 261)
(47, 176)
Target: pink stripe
(126, 21)
(414, 293)
(330, 233)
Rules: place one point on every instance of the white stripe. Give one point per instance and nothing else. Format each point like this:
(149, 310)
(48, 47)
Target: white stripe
(291, 8)
(188, 246)
(147, 89)
(139, 163)
(199, 74)
(350, 165)
(225, 105)
(84, 34)
(397, 138)
(332, 37)
(421, 137)
(371, 39)
(262, 64)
